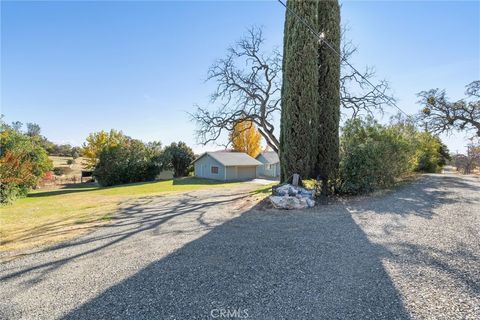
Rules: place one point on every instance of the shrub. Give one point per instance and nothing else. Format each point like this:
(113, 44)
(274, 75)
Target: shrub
(130, 161)
(23, 161)
(372, 156)
(70, 162)
(60, 171)
(430, 154)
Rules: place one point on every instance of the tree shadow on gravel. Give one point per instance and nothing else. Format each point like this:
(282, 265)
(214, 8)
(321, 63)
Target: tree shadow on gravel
(143, 215)
(312, 264)
(461, 261)
(418, 198)
(309, 264)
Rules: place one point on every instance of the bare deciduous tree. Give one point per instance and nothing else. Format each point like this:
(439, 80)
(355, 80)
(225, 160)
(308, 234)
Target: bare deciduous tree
(467, 163)
(249, 86)
(441, 115)
(356, 93)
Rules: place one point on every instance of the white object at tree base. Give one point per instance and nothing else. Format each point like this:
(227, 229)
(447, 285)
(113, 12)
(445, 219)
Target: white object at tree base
(295, 179)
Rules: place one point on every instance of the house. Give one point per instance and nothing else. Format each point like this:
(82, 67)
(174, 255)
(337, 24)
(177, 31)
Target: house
(226, 166)
(270, 164)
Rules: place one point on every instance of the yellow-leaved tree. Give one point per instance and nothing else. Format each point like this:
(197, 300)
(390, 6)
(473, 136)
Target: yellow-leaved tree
(246, 138)
(96, 142)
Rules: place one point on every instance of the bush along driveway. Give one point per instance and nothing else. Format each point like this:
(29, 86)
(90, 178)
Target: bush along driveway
(410, 253)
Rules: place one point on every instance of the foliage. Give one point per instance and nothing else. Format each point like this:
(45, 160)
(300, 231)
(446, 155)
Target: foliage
(246, 138)
(372, 156)
(311, 92)
(430, 154)
(75, 152)
(441, 115)
(33, 129)
(60, 171)
(128, 161)
(64, 150)
(328, 105)
(23, 162)
(375, 156)
(300, 93)
(179, 157)
(70, 162)
(98, 141)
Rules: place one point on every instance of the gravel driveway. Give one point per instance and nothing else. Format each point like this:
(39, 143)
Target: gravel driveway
(410, 253)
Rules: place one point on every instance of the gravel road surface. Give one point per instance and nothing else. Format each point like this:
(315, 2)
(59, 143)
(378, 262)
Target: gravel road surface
(412, 253)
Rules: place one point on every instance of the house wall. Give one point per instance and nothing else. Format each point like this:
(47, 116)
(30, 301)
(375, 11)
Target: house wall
(203, 168)
(273, 171)
(246, 172)
(231, 173)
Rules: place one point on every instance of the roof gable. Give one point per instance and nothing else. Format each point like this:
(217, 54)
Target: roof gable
(232, 158)
(270, 157)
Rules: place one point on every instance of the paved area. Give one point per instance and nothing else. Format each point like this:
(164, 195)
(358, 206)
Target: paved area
(410, 253)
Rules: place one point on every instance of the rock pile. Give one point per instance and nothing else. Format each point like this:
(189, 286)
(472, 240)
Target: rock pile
(289, 196)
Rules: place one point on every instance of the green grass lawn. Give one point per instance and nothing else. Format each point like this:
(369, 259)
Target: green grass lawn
(49, 216)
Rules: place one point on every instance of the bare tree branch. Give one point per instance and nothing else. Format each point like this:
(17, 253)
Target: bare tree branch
(441, 115)
(356, 94)
(249, 87)
(250, 92)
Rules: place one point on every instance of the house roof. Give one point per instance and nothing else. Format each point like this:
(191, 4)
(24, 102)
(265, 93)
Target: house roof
(232, 158)
(270, 156)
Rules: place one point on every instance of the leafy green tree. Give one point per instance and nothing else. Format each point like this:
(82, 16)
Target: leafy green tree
(33, 129)
(300, 94)
(430, 153)
(17, 126)
(179, 157)
(97, 141)
(23, 162)
(126, 162)
(75, 152)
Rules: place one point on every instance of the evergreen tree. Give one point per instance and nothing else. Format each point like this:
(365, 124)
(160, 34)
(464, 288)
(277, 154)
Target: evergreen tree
(328, 112)
(300, 94)
(309, 140)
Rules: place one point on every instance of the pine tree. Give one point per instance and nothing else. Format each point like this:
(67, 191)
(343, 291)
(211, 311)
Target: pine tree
(329, 91)
(300, 94)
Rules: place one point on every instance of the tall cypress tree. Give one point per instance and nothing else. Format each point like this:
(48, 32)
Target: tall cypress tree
(309, 137)
(300, 94)
(328, 112)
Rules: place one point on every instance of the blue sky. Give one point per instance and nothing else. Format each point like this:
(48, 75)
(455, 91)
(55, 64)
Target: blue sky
(79, 67)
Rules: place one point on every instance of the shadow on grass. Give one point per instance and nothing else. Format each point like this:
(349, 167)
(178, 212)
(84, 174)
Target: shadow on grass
(197, 181)
(66, 189)
(77, 188)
